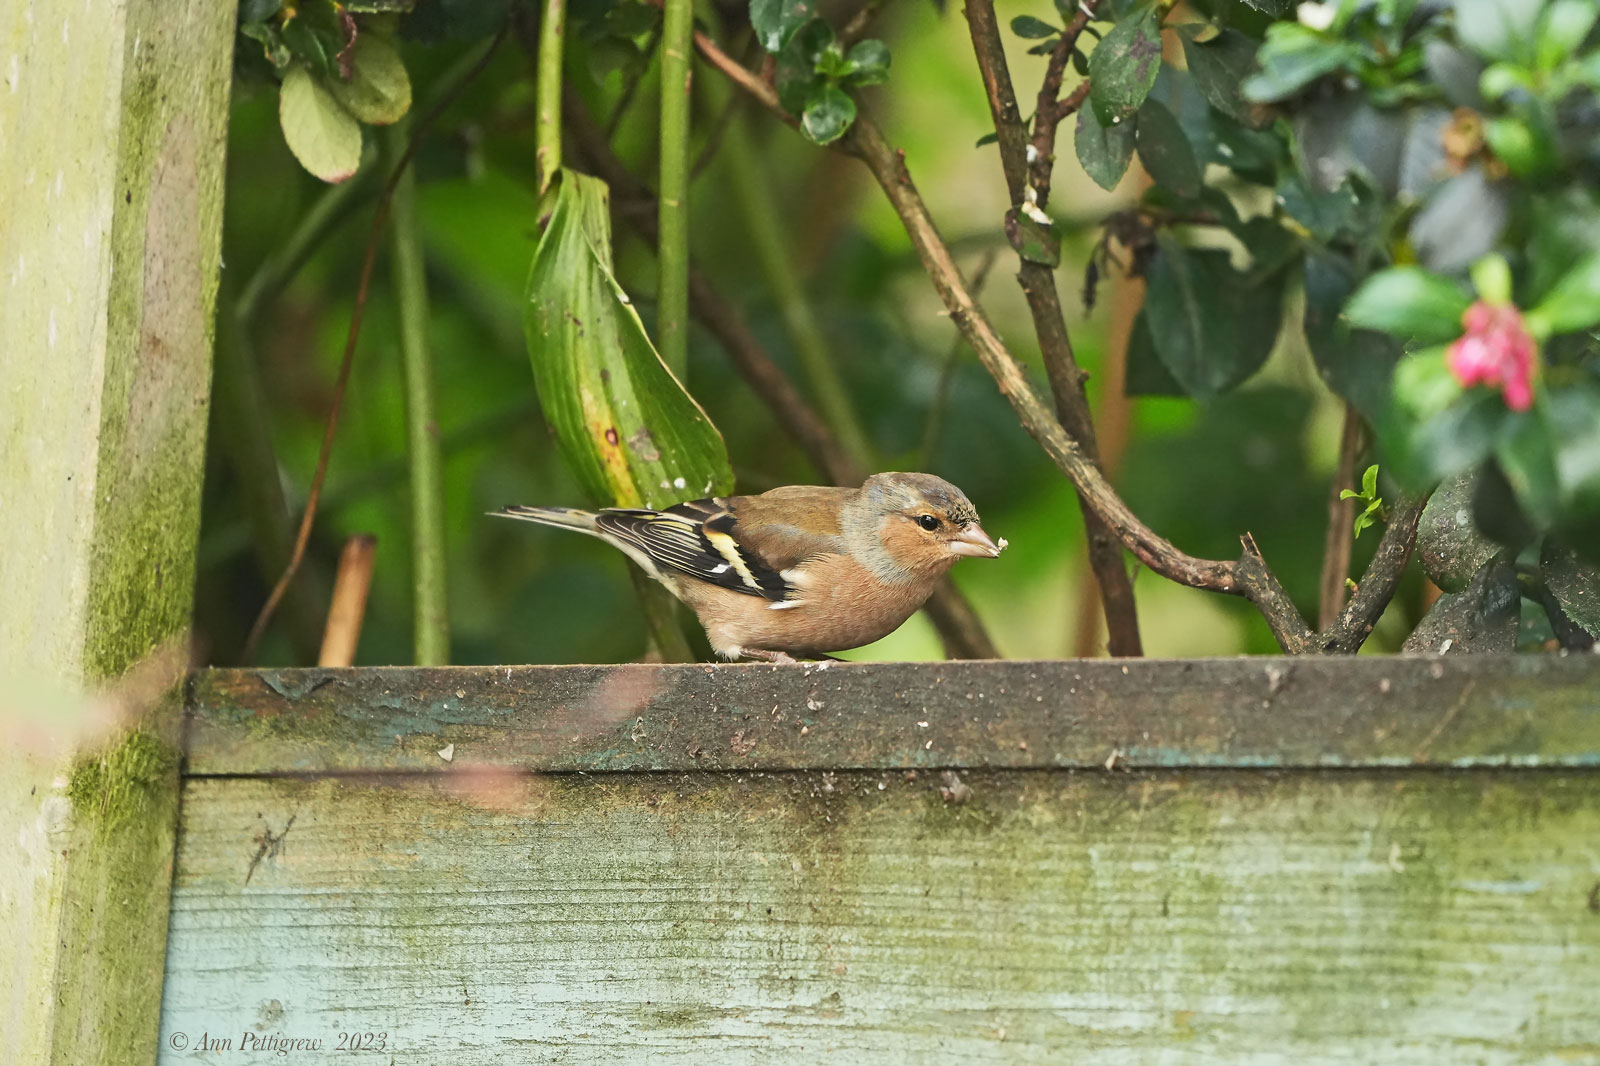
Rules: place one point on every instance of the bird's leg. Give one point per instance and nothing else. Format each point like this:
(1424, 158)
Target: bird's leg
(768, 656)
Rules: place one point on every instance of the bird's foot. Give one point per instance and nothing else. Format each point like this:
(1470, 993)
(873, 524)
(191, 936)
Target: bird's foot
(780, 657)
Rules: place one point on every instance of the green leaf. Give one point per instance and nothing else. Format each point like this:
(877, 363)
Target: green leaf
(796, 75)
(1457, 438)
(1123, 67)
(314, 47)
(1165, 151)
(1033, 29)
(1369, 482)
(1573, 304)
(1146, 374)
(272, 45)
(828, 113)
(257, 10)
(1410, 303)
(1574, 416)
(867, 62)
(629, 431)
(1491, 276)
(323, 136)
(1527, 458)
(1218, 66)
(1104, 151)
(1498, 29)
(1292, 58)
(987, 138)
(1562, 31)
(776, 21)
(379, 90)
(1211, 330)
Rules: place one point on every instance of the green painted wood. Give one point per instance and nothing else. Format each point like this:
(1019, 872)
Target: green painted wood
(1180, 917)
(111, 151)
(1312, 712)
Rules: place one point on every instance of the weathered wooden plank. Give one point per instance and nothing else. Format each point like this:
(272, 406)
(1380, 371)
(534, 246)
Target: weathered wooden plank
(112, 121)
(1094, 918)
(1535, 711)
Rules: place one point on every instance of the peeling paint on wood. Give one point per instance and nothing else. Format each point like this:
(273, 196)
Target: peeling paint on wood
(1185, 917)
(1278, 713)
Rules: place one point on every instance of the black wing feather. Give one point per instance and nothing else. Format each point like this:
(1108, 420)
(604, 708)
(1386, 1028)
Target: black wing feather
(697, 538)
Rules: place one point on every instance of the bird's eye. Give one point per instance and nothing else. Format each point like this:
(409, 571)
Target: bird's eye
(928, 522)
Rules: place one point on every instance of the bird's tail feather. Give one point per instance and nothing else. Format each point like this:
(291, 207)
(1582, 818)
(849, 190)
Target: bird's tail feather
(567, 517)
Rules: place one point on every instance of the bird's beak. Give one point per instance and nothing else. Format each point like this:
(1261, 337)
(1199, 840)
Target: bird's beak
(975, 542)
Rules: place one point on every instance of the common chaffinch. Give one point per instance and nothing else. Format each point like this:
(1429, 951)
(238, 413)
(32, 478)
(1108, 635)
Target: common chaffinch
(801, 570)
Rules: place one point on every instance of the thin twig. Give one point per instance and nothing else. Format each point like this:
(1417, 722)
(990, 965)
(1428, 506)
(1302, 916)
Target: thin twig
(341, 383)
(1038, 281)
(1340, 537)
(547, 92)
(349, 605)
(1050, 108)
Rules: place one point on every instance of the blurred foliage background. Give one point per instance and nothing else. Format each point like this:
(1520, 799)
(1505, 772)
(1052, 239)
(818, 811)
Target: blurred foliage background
(1258, 458)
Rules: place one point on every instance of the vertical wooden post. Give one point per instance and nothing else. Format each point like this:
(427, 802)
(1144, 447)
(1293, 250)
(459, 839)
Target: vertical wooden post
(112, 136)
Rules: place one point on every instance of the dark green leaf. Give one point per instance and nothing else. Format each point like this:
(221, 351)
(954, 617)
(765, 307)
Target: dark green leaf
(1355, 363)
(630, 432)
(1218, 66)
(1145, 374)
(1574, 414)
(323, 136)
(1455, 72)
(272, 45)
(1032, 29)
(458, 20)
(1343, 134)
(987, 138)
(1165, 150)
(631, 19)
(314, 47)
(1461, 221)
(1329, 216)
(1449, 544)
(1123, 67)
(1411, 304)
(796, 74)
(1211, 330)
(1458, 438)
(828, 113)
(1496, 511)
(1292, 58)
(868, 62)
(1574, 581)
(258, 10)
(1104, 151)
(1527, 457)
(1572, 304)
(776, 21)
(1254, 155)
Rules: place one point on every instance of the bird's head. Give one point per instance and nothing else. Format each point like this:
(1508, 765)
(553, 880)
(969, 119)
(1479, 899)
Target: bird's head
(925, 522)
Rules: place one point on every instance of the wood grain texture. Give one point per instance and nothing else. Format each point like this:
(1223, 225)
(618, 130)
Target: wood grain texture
(1094, 918)
(112, 134)
(1312, 712)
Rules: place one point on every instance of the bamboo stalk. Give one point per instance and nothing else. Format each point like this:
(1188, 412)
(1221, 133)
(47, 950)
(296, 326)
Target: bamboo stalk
(349, 605)
(672, 284)
(431, 619)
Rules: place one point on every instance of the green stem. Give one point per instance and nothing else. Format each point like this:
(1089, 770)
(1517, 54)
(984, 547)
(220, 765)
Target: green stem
(672, 291)
(758, 217)
(548, 100)
(432, 621)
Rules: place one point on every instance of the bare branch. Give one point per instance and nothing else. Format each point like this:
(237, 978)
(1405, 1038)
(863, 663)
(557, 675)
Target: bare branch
(1038, 282)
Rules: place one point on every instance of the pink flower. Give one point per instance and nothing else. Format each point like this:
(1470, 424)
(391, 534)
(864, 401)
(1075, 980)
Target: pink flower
(1496, 350)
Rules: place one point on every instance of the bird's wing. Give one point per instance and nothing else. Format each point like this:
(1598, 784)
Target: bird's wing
(742, 544)
(695, 539)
